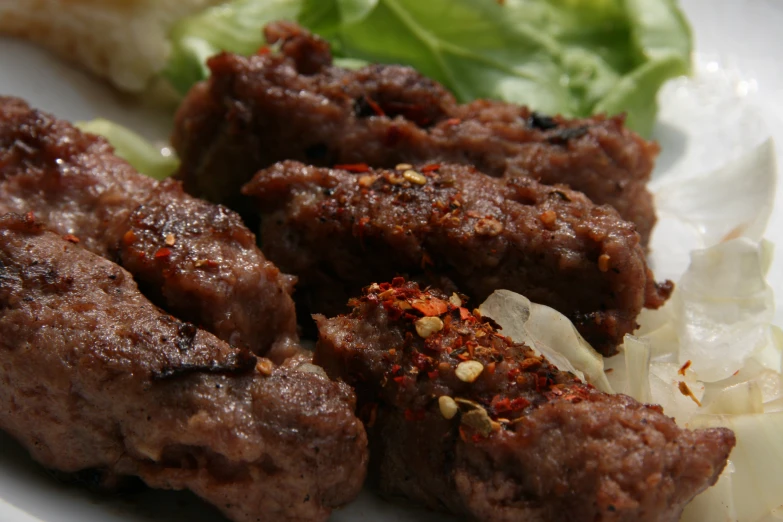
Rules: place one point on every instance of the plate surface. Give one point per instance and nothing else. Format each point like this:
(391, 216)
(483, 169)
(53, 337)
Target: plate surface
(738, 44)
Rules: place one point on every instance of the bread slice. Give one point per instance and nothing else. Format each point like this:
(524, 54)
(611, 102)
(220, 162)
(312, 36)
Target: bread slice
(123, 41)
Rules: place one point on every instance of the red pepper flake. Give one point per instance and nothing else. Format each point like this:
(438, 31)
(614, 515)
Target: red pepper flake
(501, 405)
(513, 373)
(576, 394)
(520, 403)
(353, 167)
(490, 368)
(394, 312)
(684, 367)
(448, 319)
(430, 168)
(129, 237)
(396, 368)
(377, 109)
(531, 363)
(476, 438)
(263, 50)
(163, 253)
(453, 121)
(426, 260)
(688, 393)
(430, 307)
(420, 360)
(71, 238)
(363, 222)
(400, 379)
(464, 313)
(433, 375)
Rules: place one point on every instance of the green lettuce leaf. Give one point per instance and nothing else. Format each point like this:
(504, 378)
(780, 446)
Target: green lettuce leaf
(235, 27)
(467, 45)
(156, 162)
(662, 42)
(570, 57)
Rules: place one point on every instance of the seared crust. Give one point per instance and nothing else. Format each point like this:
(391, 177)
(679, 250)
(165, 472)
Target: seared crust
(255, 111)
(526, 441)
(201, 261)
(193, 258)
(339, 231)
(93, 376)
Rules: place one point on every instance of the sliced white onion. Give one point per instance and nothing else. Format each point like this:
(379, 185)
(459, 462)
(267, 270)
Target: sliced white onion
(637, 366)
(737, 399)
(548, 332)
(717, 173)
(670, 386)
(716, 504)
(732, 201)
(723, 308)
(713, 339)
(753, 486)
(629, 371)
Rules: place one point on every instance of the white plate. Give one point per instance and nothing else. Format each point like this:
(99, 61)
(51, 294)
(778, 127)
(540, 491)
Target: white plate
(739, 45)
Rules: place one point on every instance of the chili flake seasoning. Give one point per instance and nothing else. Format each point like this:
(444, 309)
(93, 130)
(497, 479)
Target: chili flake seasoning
(353, 167)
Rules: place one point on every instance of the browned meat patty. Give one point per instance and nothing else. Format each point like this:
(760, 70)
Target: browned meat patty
(462, 419)
(194, 258)
(255, 111)
(339, 231)
(93, 376)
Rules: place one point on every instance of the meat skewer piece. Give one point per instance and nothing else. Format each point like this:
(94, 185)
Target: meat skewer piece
(255, 111)
(94, 377)
(462, 419)
(338, 231)
(195, 259)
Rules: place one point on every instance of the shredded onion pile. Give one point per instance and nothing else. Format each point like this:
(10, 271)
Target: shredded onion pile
(711, 356)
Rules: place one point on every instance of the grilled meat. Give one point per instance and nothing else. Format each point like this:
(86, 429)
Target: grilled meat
(295, 105)
(95, 377)
(462, 419)
(194, 258)
(338, 231)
